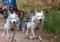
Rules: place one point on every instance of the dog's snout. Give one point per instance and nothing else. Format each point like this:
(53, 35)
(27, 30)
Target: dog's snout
(14, 22)
(40, 20)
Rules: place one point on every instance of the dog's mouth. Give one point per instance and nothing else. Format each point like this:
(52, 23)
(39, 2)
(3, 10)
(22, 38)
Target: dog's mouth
(39, 21)
(14, 24)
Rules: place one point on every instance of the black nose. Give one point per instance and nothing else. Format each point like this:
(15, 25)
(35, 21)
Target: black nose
(40, 20)
(14, 22)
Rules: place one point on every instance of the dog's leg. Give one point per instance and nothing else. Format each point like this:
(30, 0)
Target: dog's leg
(40, 32)
(8, 33)
(4, 33)
(27, 32)
(40, 38)
(18, 26)
(14, 32)
(33, 35)
(23, 29)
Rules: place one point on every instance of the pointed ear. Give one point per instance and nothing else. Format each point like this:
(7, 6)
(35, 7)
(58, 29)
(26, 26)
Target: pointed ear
(14, 13)
(35, 11)
(41, 11)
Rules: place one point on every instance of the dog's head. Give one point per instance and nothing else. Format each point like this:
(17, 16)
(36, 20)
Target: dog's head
(39, 16)
(13, 18)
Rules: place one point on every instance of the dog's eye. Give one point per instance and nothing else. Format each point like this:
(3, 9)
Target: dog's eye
(38, 16)
(14, 18)
(11, 18)
(41, 16)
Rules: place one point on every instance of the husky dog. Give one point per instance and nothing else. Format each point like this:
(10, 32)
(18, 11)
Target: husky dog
(36, 22)
(11, 23)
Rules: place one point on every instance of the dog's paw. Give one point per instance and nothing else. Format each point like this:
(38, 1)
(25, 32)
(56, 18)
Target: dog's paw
(2, 36)
(9, 37)
(35, 37)
(27, 36)
(40, 38)
(13, 40)
(31, 37)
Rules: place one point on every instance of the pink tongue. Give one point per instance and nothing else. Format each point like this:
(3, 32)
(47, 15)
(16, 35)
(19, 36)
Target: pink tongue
(39, 23)
(14, 25)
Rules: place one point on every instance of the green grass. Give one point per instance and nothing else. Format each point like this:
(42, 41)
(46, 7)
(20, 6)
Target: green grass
(52, 22)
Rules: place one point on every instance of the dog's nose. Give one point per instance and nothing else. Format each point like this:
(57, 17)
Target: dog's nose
(40, 20)
(14, 22)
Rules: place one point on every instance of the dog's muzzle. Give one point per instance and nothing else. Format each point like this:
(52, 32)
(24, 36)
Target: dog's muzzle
(14, 24)
(39, 21)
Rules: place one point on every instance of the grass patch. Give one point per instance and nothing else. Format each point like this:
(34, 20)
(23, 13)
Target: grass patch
(52, 22)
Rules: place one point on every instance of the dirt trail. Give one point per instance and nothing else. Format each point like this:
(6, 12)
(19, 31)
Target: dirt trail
(20, 36)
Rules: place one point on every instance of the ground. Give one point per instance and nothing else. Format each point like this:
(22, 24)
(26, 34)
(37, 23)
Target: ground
(20, 36)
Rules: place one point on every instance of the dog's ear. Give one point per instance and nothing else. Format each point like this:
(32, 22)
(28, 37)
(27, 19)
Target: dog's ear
(14, 13)
(35, 11)
(41, 11)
